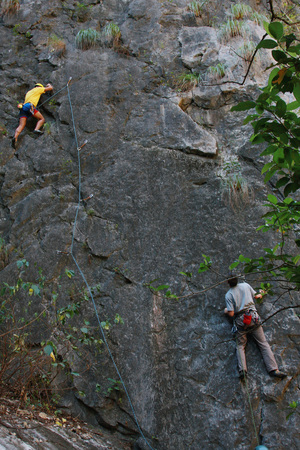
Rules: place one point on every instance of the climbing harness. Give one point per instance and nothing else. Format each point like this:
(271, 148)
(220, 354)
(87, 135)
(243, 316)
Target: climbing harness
(27, 107)
(79, 269)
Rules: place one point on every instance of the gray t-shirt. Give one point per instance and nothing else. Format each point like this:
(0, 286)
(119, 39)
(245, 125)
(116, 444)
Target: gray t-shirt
(240, 297)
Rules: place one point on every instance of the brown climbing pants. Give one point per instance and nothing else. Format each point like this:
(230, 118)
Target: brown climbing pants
(257, 332)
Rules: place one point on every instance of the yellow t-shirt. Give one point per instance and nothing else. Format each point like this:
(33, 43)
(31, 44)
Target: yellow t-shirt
(34, 95)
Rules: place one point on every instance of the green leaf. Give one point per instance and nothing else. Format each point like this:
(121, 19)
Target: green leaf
(267, 167)
(257, 139)
(234, 265)
(276, 30)
(161, 287)
(296, 259)
(244, 106)
(69, 273)
(279, 56)
(296, 91)
(293, 404)
(268, 151)
(267, 43)
(292, 187)
(279, 156)
(280, 109)
(84, 330)
(282, 182)
(272, 199)
(36, 289)
(186, 274)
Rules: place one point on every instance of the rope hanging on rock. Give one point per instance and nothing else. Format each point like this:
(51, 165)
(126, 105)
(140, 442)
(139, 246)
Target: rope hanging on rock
(82, 275)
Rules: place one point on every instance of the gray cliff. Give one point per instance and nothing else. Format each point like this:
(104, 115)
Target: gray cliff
(157, 163)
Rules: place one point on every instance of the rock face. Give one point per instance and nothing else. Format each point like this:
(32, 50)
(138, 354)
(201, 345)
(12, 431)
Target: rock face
(157, 164)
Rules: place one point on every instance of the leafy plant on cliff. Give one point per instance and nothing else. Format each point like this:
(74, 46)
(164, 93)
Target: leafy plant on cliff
(235, 189)
(81, 12)
(246, 50)
(217, 72)
(240, 10)
(196, 7)
(232, 28)
(187, 81)
(57, 45)
(40, 341)
(112, 33)
(86, 39)
(276, 124)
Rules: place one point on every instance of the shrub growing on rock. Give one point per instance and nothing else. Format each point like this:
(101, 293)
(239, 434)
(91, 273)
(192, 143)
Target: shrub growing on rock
(196, 7)
(112, 33)
(86, 39)
(232, 28)
(10, 7)
(57, 45)
(187, 81)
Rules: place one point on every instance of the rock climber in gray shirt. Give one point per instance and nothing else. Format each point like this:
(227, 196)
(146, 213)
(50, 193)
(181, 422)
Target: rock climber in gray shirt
(240, 305)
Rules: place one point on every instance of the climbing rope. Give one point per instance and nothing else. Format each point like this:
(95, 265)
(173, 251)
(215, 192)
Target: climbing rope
(48, 99)
(84, 279)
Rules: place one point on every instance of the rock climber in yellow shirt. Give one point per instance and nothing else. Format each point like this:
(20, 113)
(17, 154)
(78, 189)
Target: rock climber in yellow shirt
(28, 109)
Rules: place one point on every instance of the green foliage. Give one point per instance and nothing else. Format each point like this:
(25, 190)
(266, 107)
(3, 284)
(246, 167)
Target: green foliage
(240, 10)
(3, 129)
(69, 273)
(205, 265)
(162, 289)
(294, 408)
(235, 189)
(86, 39)
(232, 28)
(47, 128)
(82, 12)
(217, 71)
(187, 81)
(112, 33)
(27, 309)
(111, 30)
(246, 50)
(56, 45)
(276, 124)
(16, 29)
(196, 7)
(258, 18)
(118, 319)
(115, 386)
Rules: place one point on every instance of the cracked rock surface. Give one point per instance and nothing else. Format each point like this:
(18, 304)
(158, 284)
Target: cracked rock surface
(152, 172)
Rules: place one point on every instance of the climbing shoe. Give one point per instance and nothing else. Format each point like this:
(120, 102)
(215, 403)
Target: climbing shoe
(243, 375)
(13, 143)
(38, 132)
(277, 374)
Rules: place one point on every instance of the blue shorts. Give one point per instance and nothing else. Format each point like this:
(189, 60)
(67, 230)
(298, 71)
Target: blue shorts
(27, 114)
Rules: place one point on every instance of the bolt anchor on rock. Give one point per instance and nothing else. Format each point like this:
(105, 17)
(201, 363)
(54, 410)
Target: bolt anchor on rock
(87, 198)
(79, 148)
